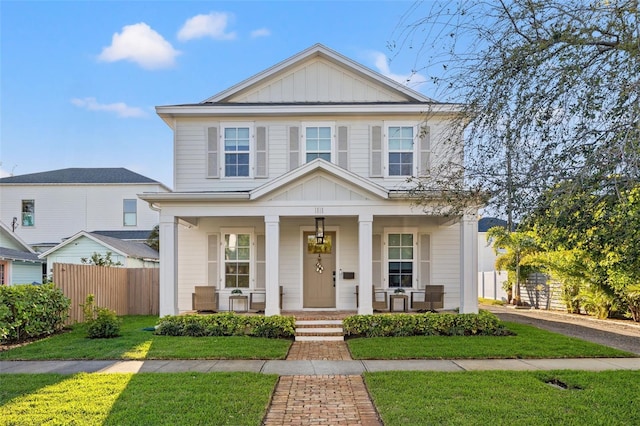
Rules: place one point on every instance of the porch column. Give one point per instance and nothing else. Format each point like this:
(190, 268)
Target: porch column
(168, 265)
(272, 265)
(469, 264)
(365, 242)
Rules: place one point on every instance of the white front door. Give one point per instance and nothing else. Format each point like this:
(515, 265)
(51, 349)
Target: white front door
(319, 287)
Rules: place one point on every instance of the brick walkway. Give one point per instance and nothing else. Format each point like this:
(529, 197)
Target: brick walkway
(321, 400)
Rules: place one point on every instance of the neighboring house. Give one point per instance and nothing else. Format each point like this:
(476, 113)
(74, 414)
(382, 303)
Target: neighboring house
(44, 208)
(19, 264)
(84, 244)
(486, 255)
(315, 144)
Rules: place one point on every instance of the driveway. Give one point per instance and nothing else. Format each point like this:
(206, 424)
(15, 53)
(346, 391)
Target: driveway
(624, 335)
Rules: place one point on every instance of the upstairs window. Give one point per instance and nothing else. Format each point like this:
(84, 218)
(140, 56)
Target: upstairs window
(130, 212)
(318, 143)
(28, 212)
(236, 151)
(400, 150)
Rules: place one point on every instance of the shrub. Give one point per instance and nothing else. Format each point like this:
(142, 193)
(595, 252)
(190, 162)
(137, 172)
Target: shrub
(227, 324)
(428, 324)
(106, 325)
(29, 311)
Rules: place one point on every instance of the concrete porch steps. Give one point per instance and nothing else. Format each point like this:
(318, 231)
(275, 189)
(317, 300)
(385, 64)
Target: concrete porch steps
(319, 330)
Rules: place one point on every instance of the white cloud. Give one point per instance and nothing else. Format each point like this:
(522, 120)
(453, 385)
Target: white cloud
(260, 32)
(412, 80)
(213, 25)
(119, 108)
(139, 43)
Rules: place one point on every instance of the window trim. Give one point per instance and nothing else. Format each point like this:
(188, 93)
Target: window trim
(385, 256)
(237, 124)
(303, 139)
(252, 257)
(414, 151)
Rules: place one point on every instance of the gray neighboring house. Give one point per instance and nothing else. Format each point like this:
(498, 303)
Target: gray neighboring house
(19, 263)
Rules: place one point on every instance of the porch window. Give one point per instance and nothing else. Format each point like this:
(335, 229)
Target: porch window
(400, 257)
(236, 151)
(318, 143)
(28, 212)
(237, 260)
(400, 150)
(130, 212)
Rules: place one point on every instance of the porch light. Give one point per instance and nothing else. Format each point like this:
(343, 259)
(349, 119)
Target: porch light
(319, 230)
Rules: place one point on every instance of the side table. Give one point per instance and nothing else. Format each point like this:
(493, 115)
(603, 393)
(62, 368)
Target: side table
(235, 298)
(394, 297)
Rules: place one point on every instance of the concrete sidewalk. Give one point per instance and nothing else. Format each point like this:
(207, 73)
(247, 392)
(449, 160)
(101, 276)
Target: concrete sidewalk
(292, 368)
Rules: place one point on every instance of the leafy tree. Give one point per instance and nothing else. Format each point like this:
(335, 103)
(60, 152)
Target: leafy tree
(517, 246)
(549, 92)
(100, 260)
(153, 240)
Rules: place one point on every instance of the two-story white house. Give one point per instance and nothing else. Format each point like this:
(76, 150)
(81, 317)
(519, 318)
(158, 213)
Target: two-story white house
(45, 208)
(297, 178)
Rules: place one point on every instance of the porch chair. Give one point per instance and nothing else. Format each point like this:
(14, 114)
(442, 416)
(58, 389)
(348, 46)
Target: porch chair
(432, 298)
(204, 298)
(259, 305)
(376, 295)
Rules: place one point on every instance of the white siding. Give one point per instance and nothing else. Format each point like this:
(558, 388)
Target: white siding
(63, 210)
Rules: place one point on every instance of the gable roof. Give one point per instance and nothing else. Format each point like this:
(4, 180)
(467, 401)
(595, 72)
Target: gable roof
(314, 166)
(124, 248)
(13, 236)
(142, 235)
(81, 175)
(320, 51)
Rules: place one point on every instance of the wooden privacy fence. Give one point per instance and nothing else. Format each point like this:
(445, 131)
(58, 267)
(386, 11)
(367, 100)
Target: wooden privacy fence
(127, 291)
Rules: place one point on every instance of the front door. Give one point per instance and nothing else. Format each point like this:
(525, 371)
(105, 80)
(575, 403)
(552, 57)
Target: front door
(319, 287)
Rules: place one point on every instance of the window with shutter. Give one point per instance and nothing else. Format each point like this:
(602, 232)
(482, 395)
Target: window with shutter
(343, 147)
(425, 151)
(425, 261)
(376, 151)
(212, 259)
(261, 170)
(213, 169)
(294, 147)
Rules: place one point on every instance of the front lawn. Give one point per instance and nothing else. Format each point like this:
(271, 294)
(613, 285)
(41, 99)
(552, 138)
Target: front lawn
(136, 343)
(506, 398)
(135, 399)
(530, 342)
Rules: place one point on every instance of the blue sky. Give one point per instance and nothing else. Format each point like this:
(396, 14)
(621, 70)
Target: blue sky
(79, 80)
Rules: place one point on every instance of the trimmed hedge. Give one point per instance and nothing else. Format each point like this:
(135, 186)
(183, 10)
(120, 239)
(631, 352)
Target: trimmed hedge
(227, 324)
(428, 324)
(28, 311)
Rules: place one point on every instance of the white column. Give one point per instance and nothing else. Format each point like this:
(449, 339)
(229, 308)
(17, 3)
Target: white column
(469, 264)
(272, 265)
(365, 242)
(168, 266)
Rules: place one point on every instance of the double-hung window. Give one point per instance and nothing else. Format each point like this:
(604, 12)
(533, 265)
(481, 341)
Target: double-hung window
(318, 142)
(130, 212)
(400, 259)
(400, 150)
(28, 212)
(237, 259)
(236, 142)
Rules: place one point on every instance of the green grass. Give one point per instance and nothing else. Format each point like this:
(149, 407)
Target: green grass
(530, 342)
(135, 343)
(506, 398)
(135, 399)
